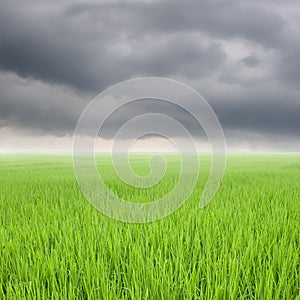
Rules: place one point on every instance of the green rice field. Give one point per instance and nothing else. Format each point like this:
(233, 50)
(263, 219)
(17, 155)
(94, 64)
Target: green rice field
(245, 244)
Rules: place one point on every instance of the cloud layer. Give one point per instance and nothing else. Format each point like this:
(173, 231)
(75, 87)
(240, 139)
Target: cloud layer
(243, 56)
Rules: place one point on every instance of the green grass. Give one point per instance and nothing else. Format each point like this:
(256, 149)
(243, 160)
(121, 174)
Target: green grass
(244, 245)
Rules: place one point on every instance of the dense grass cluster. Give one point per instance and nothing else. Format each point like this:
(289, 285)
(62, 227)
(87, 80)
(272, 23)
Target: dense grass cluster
(245, 244)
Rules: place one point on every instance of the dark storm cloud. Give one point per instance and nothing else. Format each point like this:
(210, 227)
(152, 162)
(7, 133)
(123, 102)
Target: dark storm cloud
(119, 117)
(224, 19)
(289, 63)
(264, 112)
(251, 60)
(94, 44)
(37, 106)
(81, 46)
(248, 51)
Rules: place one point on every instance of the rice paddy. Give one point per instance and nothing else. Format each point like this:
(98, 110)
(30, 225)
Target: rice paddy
(244, 245)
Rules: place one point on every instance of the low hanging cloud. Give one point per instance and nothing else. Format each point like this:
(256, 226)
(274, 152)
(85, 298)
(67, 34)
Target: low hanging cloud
(243, 56)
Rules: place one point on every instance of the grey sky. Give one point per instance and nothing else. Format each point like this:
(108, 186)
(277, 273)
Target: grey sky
(242, 56)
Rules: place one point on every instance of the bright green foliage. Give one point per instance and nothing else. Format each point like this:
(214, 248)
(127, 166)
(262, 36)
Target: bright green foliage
(244, 245)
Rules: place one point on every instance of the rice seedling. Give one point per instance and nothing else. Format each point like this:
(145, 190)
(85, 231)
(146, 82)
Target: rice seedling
(245, 244)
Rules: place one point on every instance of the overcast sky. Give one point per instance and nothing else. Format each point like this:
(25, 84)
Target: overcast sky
(242, 56)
